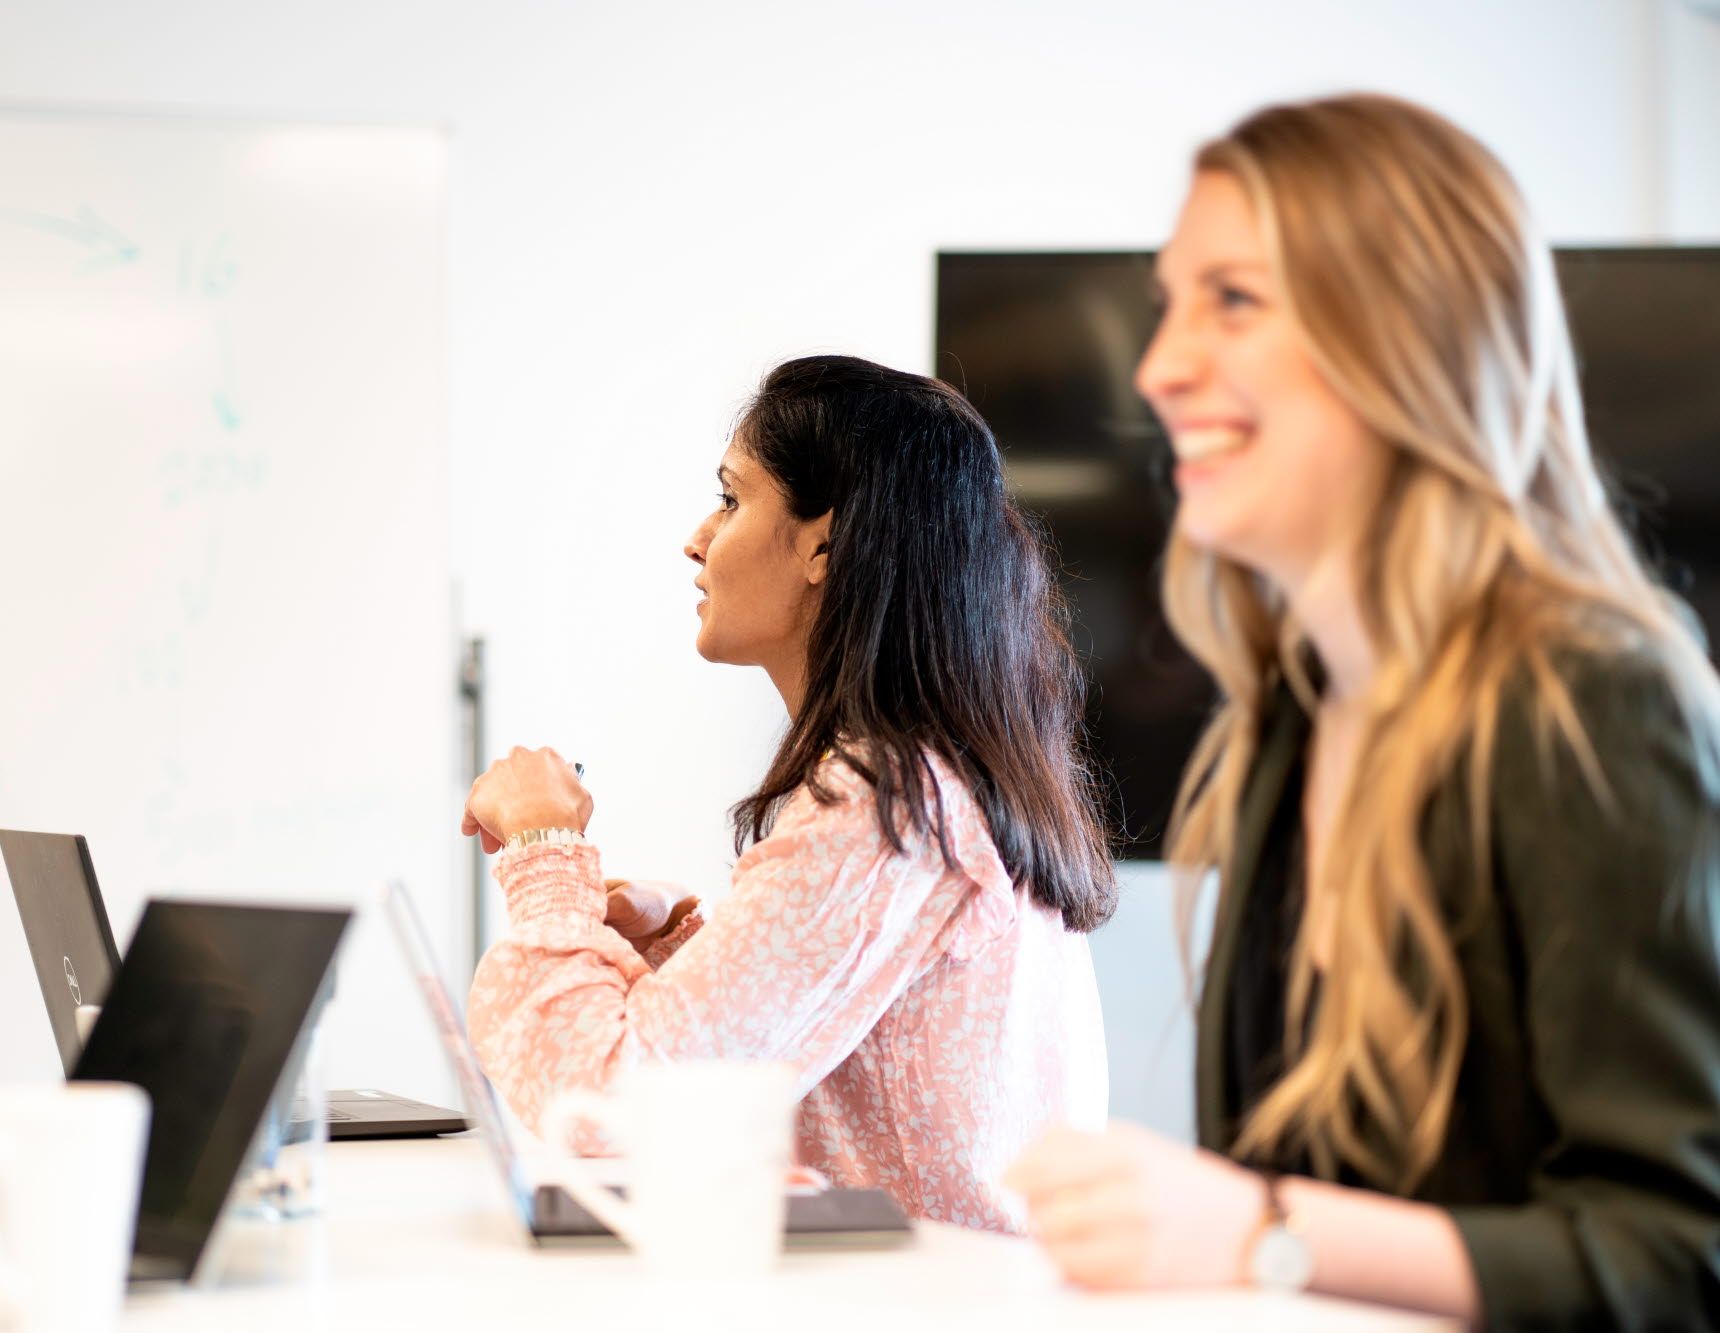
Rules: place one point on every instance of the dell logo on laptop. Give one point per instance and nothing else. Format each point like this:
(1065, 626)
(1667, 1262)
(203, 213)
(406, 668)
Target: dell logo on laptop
(72, 981)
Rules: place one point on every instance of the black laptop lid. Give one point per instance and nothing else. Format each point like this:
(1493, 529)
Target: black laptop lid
(203, 1015)
(65, 925)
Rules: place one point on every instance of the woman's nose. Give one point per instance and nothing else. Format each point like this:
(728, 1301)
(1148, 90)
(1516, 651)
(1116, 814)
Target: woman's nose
(1170, 365)
(698, 543)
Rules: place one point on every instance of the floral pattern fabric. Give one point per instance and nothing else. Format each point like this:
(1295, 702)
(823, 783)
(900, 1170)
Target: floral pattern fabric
(938, 1019)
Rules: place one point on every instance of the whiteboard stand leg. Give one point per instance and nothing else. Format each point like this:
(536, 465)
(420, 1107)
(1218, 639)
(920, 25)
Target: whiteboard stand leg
(472, 705)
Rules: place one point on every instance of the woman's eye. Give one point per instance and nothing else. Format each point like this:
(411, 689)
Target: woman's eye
(726, 500)
(1234, 298)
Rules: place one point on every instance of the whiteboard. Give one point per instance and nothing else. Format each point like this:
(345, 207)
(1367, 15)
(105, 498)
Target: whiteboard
(225, 601)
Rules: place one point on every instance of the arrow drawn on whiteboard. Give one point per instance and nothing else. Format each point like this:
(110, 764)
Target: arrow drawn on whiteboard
(197, 593)
(108, 247)
(210, 269)
(226, 406)
(161, 663)
(220, 268)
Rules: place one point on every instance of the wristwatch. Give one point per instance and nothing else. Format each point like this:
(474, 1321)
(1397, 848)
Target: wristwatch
(1279, 1258)
(558, 837)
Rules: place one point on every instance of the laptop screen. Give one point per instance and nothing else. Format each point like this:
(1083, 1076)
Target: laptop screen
(65, 926)
(204, 1015)
(475, 1089)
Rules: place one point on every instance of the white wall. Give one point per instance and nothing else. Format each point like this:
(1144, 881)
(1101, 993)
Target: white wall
(1689, 40)
(655, 201)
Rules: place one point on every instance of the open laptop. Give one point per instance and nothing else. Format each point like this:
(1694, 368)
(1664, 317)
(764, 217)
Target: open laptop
(833, 1218)
(205, 1015)
(72, 946)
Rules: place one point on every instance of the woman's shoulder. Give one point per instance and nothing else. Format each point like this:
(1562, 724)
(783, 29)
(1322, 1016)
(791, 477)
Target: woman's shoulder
(840, 802)
(1608, 755)
(1584, 708)
(1590, 754)
(850, 772)
(847, 777)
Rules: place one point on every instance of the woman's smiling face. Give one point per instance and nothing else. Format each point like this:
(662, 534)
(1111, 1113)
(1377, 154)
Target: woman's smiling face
(1274, 470)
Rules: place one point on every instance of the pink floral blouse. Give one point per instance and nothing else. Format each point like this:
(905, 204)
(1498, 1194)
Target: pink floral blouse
(939, 1020)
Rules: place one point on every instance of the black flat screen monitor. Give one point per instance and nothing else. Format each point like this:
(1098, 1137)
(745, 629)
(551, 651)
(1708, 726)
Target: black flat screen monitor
(65, 925)
(204, 1015)
(1046, 346)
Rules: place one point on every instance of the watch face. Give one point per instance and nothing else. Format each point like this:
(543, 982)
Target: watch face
(1281, 1260)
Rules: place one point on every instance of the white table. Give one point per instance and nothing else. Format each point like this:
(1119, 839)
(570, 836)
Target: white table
(417, 1235)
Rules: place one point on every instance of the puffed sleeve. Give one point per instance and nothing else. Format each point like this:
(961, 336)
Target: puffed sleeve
(824, 927)
(1616, 901)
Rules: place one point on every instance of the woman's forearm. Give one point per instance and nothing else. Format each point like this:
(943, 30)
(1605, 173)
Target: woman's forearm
(1372, 1247)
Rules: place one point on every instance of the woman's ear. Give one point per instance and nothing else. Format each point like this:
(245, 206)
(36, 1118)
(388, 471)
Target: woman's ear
(815, 548)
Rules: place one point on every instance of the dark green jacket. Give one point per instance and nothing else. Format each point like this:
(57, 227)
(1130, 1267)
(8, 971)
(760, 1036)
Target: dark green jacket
(1582, 1165)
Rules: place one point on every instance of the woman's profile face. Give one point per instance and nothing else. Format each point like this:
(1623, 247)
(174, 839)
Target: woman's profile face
(1273, 469)
(759, 570)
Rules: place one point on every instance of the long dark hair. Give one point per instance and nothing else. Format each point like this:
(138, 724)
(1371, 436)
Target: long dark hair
(940, 628)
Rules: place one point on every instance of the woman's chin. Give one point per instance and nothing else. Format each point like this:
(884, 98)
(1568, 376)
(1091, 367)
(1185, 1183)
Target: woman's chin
(1204, 537)
(706, 648)
(1211, 532)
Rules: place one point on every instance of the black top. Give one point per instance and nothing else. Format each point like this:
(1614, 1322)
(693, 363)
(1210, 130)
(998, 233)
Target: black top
(1271, 917)
(1582, 1164)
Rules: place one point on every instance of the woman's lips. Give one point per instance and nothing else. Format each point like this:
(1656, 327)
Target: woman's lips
(1202, 451)
(1194, 444)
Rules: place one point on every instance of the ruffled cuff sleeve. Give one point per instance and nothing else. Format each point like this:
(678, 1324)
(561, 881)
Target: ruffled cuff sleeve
(553, 882)
(661, 951)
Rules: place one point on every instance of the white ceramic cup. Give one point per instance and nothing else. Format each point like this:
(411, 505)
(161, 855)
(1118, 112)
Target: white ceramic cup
(708, 1147)
(71, 1161)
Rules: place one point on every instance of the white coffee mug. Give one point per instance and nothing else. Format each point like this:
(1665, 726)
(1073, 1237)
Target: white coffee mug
(708, 1148)
(71, 1162)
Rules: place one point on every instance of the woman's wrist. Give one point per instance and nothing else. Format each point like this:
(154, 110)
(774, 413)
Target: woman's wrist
(1366, 1245)
(1239, 1209)
(571, 817)
(1277, 1255)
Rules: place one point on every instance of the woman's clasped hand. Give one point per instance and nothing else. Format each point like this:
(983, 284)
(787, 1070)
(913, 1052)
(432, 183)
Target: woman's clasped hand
(1130, 1208)
(525, 789)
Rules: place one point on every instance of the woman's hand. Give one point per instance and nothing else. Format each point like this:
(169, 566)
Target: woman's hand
(642, 911)
(1130, 1209)
(526, 789)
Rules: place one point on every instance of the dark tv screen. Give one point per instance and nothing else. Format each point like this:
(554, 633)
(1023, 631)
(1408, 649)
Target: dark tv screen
(1046, 346)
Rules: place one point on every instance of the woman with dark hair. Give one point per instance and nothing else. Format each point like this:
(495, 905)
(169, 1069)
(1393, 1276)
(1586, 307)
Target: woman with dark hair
(919, 863)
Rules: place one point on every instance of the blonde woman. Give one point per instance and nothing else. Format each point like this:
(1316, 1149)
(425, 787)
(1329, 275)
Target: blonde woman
(1459, 1031)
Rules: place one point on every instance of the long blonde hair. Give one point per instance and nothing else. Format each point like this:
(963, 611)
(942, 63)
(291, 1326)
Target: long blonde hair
(1407, 257)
